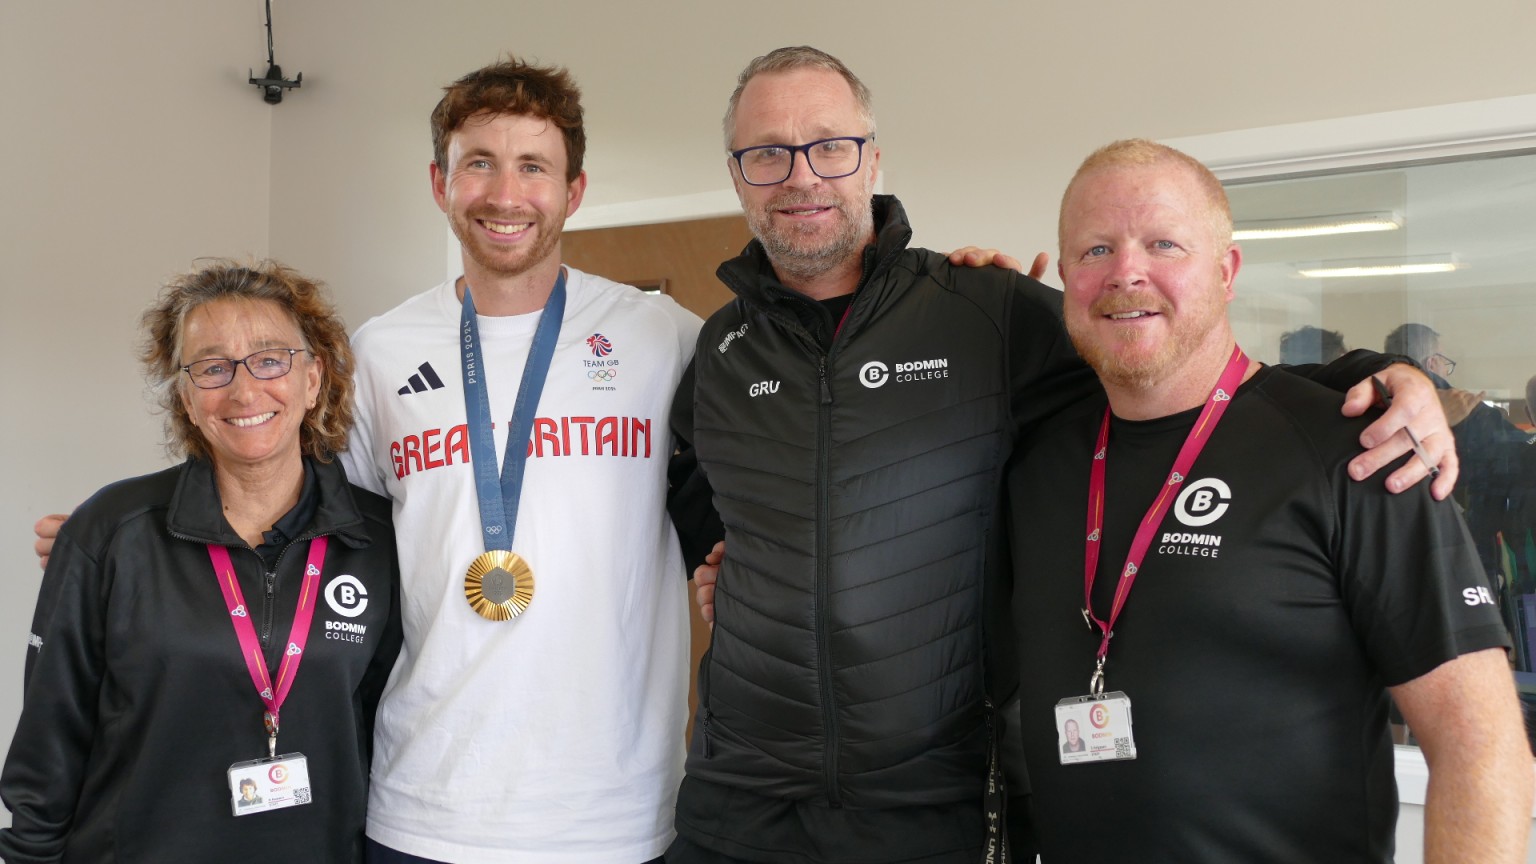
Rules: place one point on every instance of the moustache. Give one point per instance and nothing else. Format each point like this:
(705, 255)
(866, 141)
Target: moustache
(507, 216)
(1110, 305)
(786, 200)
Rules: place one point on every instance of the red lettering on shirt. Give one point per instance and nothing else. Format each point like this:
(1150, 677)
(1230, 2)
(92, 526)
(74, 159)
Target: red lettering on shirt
(618, 437)
(431, 443)
(457, 443)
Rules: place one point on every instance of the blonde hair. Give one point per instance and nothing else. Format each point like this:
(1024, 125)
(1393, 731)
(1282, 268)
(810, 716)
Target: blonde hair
(1141, 153)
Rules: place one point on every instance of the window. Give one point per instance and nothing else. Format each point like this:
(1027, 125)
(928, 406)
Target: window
(1438, 261)
(1483, 308)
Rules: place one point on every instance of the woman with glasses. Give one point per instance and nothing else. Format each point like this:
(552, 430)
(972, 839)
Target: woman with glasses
(211, 641)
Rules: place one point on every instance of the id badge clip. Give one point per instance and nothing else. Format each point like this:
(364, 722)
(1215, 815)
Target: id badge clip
(269, 784)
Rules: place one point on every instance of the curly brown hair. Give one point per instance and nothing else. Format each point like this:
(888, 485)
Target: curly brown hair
(513, 87)
(325, 427)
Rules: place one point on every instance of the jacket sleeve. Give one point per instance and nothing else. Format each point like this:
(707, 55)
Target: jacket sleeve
(690, 499)
(1044, 372)
(45, 769)
(1347, 370)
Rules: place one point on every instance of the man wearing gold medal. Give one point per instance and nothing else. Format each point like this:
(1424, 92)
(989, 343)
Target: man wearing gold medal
(537, 711)
(1254, 592)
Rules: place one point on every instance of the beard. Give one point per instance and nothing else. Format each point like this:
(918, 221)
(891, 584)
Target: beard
(803, 252)
(505, 262)
(1133, 359)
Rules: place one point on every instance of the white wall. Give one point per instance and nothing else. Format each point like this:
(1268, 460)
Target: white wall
(131, 144)
(143, 147)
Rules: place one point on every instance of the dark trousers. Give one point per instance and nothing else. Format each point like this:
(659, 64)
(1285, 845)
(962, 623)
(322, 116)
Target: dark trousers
(376, 853)
(684, 851)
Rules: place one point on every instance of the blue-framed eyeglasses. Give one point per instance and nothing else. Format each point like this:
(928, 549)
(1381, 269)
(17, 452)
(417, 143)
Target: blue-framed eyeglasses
(215, 372)
(829, 159)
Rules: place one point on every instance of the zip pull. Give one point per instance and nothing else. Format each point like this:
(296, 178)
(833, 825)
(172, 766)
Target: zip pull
(826, 387)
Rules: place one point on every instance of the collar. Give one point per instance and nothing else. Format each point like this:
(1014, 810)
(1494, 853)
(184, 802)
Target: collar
(750, 275)
(196, 512)
(301, 514)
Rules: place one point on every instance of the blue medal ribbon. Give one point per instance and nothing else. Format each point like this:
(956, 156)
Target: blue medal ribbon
(499, 496)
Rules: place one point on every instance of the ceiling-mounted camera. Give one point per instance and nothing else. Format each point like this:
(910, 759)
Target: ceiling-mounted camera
(273, 83)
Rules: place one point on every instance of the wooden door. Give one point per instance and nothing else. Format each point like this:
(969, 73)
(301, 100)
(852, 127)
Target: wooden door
(678, 258)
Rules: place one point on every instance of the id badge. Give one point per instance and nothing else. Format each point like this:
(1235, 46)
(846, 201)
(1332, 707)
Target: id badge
(1095, 728)
(268, 784)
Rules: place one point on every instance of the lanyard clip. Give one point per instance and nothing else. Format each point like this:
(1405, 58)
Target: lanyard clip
(1088, 619)
(1096, 683)
(269, 720)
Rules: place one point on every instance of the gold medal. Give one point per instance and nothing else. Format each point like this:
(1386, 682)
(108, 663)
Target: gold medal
(499, 585)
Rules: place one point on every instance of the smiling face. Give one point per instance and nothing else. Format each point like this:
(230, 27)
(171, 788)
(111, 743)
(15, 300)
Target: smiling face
(807, 224)
(248, 423)
(505, 192)
(1147, 276)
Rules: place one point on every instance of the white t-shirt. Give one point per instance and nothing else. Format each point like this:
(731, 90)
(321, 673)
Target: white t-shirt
(556, 736)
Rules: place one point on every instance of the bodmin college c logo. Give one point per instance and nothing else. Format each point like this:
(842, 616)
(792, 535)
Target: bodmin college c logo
(346, 596)
(1202, 502)
(874, 374)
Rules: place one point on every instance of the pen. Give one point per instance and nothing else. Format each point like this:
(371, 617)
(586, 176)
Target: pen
(1386, 401)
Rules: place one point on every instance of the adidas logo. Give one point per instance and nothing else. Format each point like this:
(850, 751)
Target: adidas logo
(427, 380)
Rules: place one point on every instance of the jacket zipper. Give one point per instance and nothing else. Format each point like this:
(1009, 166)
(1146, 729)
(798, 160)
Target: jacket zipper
(269, 580)
(266, 608)
(823, 590)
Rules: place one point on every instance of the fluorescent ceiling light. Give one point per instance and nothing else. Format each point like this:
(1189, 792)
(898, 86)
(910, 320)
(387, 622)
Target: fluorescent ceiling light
(1404, 266)
(1316, 226)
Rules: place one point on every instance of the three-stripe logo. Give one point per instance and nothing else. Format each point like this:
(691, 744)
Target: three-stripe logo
(425, 379)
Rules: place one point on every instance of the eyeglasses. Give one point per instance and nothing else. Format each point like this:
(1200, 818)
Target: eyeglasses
(829, 159)
(216, 372)
(1448, 363)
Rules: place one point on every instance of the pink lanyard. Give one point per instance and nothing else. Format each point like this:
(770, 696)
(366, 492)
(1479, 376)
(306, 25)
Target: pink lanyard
(1215, 405)
(250, 647)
